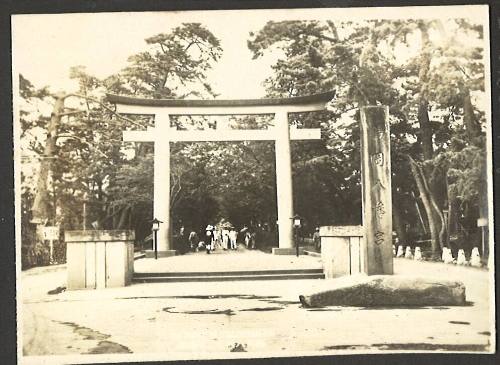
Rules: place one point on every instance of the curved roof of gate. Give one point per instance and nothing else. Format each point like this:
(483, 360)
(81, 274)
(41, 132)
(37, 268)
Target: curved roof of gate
(297, 100)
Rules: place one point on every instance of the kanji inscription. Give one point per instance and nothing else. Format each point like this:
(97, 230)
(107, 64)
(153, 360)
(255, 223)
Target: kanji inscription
(376, 181)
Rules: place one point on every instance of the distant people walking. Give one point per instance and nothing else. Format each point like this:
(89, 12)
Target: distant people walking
(217, 242)
(193, 240)
(247, 239)
(182, 241)
(250, 239)
(209, 233)
(233, 235)
(225, 238)
(201, 246)
(253, 240)
(317, 240)
(243, 233)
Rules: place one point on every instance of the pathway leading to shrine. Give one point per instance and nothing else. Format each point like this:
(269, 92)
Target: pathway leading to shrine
(226, 261)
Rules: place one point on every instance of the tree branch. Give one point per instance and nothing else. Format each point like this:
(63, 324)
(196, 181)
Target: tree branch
(103, 106)
(83, 141)
(71, 113)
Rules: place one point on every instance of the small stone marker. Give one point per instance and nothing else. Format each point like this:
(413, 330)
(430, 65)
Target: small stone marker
(386, 290)
(475, 259)
(482, 222)
(418, 254)
(448, 256)
(408, 254)
(461, 257)
(400, 252)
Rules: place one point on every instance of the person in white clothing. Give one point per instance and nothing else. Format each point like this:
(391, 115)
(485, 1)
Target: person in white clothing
(232, 238)
(216, 238)
(225, 238)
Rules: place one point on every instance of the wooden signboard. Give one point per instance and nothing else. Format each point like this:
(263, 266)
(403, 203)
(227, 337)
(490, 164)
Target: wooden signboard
(51, 233)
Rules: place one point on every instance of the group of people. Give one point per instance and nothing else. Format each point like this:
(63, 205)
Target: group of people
(224, 237)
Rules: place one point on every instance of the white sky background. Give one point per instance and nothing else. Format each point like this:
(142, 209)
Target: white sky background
(45, 47)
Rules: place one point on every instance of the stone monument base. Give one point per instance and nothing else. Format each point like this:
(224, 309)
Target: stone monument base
(150, 254)
(387, 291)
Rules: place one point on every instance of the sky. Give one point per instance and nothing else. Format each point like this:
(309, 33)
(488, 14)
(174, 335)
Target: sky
(46, 46)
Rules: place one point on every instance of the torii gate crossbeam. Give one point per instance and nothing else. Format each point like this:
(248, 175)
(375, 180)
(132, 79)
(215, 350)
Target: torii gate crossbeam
(281, 133)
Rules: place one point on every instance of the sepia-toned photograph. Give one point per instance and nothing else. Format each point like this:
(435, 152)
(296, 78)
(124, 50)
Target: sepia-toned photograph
(227, 184)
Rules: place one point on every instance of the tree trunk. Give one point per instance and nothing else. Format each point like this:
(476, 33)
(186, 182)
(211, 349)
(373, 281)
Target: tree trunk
(453, 210)
(471, 125)
(114, 219)
(124, 218)
(432, 218)
(425, 136)
(425, 129)
(397, 222)
(42, 206)
(484, 210)
(437, 215)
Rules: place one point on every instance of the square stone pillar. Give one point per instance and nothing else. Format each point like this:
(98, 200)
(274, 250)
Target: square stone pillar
(376, 190)
(99, 259)
(341, 250)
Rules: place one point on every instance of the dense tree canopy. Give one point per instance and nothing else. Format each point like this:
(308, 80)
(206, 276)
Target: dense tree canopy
(429, 93)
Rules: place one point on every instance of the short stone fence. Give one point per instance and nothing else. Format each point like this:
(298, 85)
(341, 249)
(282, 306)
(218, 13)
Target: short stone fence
(99, 259)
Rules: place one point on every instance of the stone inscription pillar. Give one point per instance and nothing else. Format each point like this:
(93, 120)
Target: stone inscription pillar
(161, 198)
(376, 190)
(284, 181)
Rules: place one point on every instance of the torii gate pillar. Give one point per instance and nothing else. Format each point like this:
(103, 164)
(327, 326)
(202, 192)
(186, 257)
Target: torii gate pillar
(284, 187)
(161, 188)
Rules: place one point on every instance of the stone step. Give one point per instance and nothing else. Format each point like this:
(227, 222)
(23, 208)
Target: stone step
(285, 276)
(312, 253)
(139, 255)
(227, 273)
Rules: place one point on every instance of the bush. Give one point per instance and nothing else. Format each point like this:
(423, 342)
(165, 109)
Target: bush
(36, 254)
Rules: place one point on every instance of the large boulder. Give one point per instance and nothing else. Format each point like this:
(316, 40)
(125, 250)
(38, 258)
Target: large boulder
(382, 290)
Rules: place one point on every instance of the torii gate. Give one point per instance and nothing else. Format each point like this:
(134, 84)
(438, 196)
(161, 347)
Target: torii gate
(281, 133)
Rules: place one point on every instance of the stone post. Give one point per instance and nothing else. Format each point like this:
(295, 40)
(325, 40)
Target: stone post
(376, 190)
(284, 186)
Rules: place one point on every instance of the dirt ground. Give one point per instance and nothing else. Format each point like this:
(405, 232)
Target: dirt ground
(199, 320)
